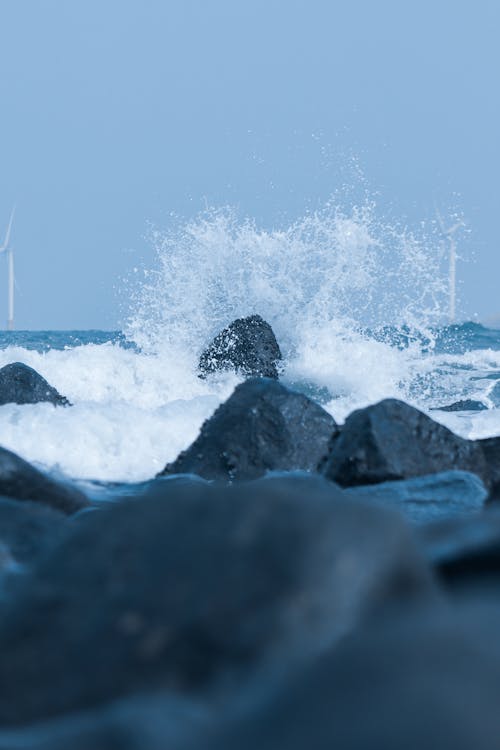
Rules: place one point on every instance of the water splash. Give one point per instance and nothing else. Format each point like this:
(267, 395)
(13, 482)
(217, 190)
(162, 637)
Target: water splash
(335, 269)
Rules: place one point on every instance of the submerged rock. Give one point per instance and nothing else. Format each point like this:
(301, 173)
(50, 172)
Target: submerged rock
(28, 530)
(262, 427)
(196, 588)
(423, 499)
(248, 346)
(21, 481)
(20, 384)
(465, 405)
(392, 440)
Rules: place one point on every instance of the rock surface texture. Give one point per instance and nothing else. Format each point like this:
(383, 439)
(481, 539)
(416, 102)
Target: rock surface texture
(262, 427)
(20, 384)
(247, 346)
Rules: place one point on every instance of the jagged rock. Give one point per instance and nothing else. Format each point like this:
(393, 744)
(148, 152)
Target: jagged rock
(391, 440)
(191, 588)
(20, 384)
(465, 405)
(423, 499)
(262, 427)
(429, 679)
(248, 346)
(21, 481)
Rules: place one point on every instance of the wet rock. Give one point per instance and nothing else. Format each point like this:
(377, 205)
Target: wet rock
(195, 588)
(424, 499)
(465, 405)
(426, 680)
(391, 440)
(21, 481)
(20, 384)
(247, 346)
(490, 450)
(262, 427)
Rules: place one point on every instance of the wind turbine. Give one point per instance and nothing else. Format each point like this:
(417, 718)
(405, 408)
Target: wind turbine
(7, 249)
(449, 234)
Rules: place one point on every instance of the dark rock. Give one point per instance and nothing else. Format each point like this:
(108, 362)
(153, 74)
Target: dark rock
(191, 590)
(466, 405)
(391, 440)
(248, 346)
(20, 384)
(423, 499)
(28, 530)
(21, 481)
(465, 552)
(262, 427)
(490, 450)
(429, 680)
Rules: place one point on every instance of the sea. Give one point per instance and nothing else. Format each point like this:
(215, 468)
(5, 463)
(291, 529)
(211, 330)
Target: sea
(358, 305)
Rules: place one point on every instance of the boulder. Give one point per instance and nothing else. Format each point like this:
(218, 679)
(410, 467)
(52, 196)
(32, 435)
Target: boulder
(465, 405)
(429, 679)
(247, 346)
(20, 384)
(392, 440)
(193, 587)
(465, 551)
(262, 427)
(21, 481)
(424, 499)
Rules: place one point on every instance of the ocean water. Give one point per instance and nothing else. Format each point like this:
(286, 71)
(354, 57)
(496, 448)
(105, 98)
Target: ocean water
(358, 306)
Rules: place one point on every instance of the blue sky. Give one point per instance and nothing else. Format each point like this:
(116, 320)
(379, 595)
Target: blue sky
(114, 113)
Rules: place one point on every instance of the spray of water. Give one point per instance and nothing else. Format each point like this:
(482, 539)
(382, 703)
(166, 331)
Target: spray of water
(333, 270)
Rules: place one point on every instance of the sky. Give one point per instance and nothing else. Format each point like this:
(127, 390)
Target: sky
(115, 114)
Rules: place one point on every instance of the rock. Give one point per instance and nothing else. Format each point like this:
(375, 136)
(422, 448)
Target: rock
(490, 450)
(426, 680)
(423, 499)
(391, 440)
(466, 405)
(248, 346)
(20, 384)
(21, 481)
(465, 551)
(28, 530)
(262, 427)
(191, 589)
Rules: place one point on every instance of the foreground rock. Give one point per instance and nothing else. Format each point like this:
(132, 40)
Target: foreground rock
(192, 590)
(465, 551)
(20, 384)
(424, 499)
(247, 346)
(391, 440)
(21, 481)
(262, 427)
(28, 530)
(427, 681)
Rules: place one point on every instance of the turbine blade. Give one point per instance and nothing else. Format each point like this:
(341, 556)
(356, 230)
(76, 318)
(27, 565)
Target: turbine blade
(9, 229)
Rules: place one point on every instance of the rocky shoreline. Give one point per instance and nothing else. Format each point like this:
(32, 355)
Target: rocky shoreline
(286, 582)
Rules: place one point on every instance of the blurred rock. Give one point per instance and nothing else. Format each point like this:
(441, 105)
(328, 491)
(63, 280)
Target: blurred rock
(424, 499)
(196, 588)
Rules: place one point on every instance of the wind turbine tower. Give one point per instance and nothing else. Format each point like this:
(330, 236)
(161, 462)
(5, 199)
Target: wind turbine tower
(7, 249)
(449, 234)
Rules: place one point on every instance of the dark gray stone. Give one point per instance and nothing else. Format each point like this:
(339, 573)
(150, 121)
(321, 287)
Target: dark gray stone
(424, 499)
(262, 427)
(391, 440)
(247, 346)
(20, 384)
(21, 481)
(195, 588)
